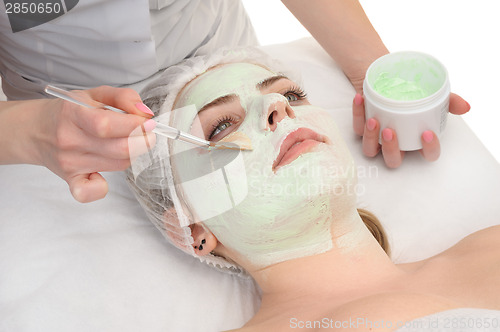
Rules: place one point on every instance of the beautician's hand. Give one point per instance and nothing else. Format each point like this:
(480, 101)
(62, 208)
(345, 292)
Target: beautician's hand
(76, 142)
(393, 157)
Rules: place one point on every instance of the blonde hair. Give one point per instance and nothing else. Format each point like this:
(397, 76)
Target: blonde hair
(375, 227)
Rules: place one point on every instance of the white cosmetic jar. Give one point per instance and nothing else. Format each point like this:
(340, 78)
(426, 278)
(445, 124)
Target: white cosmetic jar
(388, 97)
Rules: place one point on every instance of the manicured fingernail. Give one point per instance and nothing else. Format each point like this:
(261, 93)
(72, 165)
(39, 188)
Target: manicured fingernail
(428, 136)
(387, 134)
(143, 108)
(358, 99)
(149, 125)
(370, 124)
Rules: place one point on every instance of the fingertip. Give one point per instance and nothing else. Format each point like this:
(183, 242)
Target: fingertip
(371, 146)
(144, 109)
(387, 134)
(138, 145)
(149, 125)
(358, 114)
(431, 148)
(88, 189)
(467, 106)
(458, 105)
(393, 156)
(427, 136)
(371, 123)
(358, 99)
(130, 101)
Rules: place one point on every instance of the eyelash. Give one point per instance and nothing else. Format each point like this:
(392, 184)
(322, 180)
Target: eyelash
(295, 90)
(218, 122)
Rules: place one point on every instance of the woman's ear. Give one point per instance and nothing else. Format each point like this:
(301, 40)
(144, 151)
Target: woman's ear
(204, 240)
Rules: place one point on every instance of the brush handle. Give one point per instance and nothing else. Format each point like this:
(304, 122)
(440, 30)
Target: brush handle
(176, 134)
(161, 129)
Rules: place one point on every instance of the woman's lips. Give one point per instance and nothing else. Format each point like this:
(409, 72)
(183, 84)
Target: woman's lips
(300, 141)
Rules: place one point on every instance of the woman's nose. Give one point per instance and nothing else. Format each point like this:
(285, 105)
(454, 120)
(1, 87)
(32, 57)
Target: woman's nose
(276, 112)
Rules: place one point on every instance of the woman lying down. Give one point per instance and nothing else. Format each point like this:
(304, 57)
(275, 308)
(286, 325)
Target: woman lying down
(285, 212)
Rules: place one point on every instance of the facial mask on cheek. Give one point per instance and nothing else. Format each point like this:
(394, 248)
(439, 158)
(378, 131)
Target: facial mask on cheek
(287, 214)
(265, 216)
(209, 182)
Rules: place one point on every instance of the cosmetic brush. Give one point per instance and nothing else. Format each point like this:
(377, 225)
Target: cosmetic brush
(160, 129)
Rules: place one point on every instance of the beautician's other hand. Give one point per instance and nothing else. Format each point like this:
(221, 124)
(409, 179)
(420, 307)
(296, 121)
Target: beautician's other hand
(76, 142)
(393, 157)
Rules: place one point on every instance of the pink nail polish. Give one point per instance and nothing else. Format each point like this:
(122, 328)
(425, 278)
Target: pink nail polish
(387, 134)
(358, 99)
(428, 136)
(371, 123)
(143, 108)
(149, 125)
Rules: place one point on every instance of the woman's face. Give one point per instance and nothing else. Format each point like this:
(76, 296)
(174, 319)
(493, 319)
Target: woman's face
(275, 202)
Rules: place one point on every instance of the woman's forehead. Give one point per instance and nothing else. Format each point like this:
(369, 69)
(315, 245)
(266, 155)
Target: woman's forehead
(234, 78)
(234, 71)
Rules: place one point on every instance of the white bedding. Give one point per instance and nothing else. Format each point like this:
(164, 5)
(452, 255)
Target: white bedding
(102, 266)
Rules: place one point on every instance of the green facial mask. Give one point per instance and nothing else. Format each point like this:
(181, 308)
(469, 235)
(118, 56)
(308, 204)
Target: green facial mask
(265, 216)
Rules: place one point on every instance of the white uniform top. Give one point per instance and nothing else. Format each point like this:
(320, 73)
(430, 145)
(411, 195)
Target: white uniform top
(113, 42)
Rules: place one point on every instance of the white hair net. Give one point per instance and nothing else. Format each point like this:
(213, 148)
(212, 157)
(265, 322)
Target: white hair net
(151, 176)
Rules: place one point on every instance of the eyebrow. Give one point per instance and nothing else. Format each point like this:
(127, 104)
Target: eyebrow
(221, 100)
(230, 98)
(270, 81)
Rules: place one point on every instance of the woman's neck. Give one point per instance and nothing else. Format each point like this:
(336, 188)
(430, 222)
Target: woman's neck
(356, 267)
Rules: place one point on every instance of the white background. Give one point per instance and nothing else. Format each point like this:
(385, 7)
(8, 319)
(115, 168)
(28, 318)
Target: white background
(463, 34)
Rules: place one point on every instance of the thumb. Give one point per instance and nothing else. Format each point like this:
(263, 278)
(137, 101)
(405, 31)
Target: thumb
(87, 188)
(458, 105)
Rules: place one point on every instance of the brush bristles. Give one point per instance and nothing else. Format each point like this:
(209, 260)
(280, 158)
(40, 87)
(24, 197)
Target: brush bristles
(230, 145)
(235, 141)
